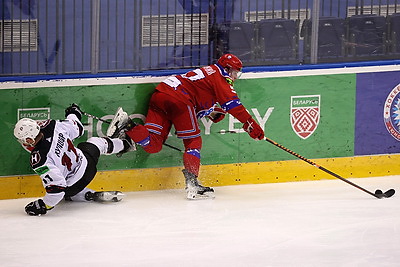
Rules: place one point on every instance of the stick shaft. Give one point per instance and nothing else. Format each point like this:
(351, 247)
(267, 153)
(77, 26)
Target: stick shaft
(95, 117)
(173, 147)
(317, 166)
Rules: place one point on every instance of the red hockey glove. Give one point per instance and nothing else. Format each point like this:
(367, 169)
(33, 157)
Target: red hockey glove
(217, 115)
(253, 129)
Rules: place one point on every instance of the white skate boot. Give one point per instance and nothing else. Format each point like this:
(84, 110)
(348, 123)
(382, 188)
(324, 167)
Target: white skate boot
(118, 123)
(194, 190)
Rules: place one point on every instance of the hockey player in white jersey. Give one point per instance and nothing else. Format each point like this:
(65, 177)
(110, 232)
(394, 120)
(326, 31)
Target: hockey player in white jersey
(66, 170)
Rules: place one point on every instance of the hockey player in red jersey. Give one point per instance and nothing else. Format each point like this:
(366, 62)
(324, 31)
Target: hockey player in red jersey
(66, 170)
(181, 100)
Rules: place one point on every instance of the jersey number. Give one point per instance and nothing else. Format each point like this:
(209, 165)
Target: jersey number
(194, 75)
(47, 179)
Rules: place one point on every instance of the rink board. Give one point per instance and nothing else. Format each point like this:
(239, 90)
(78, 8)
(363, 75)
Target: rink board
(353, 133)
(218, 175)
(268, 100)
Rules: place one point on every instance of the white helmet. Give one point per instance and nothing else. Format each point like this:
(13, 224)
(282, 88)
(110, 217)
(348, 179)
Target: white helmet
(26, 128)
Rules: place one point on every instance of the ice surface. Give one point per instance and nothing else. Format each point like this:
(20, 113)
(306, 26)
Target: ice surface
(319, 223)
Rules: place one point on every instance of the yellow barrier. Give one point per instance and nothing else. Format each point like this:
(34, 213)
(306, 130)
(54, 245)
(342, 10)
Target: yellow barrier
(217, 175)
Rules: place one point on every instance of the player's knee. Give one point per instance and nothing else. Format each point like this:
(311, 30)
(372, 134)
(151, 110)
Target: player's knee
(155, 144)
(104, 144)
(139, 134)
(91, 149)
(152, 143)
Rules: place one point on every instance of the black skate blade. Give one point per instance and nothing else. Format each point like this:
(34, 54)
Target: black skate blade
(387, 194)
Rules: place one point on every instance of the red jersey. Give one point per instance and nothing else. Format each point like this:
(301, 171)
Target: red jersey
(203, 88)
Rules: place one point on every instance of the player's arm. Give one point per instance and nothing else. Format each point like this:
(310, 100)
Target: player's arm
(230, 102)
(55, 185)
(237, 110)
(73, 114)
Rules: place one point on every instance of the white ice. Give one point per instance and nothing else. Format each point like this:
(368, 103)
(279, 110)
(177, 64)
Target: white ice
(318, 223)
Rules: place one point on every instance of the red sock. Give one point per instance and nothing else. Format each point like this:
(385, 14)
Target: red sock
(191, 162)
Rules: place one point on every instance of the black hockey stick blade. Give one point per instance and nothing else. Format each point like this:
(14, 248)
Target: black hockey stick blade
(387, 194)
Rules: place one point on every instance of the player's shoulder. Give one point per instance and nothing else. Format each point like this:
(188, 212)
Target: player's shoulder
(47, 126)
(215, 70)
(45, 123)
(40, 153)
(211, 70)
(42, 150)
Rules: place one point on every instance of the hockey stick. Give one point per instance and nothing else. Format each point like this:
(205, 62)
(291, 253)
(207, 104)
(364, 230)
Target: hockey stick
(100, 119)
(173, 147)
(95, 117)
(378, 193)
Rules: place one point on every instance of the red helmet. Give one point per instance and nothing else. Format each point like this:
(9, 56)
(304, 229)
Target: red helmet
(230, 61)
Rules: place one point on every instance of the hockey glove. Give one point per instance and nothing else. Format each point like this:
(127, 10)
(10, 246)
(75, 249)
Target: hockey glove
(37, 208)
(217, 115)
(253, 129)
(74, 109)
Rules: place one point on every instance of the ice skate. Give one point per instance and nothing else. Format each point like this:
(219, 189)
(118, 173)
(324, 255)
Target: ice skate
(105, 196)
(194, 190)
(118, 123)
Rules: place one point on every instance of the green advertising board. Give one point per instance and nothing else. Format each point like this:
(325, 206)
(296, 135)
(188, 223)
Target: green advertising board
(312, 115)
(332, 101)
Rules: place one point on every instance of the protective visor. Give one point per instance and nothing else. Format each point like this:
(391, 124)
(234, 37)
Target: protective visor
(235, 74)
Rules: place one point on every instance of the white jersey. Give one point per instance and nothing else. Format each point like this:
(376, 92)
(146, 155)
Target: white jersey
(55, 158)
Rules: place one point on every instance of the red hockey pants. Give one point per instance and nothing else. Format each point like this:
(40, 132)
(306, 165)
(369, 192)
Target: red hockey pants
(165, 111)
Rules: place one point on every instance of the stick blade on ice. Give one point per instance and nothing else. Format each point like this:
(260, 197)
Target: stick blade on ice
(387, 194)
